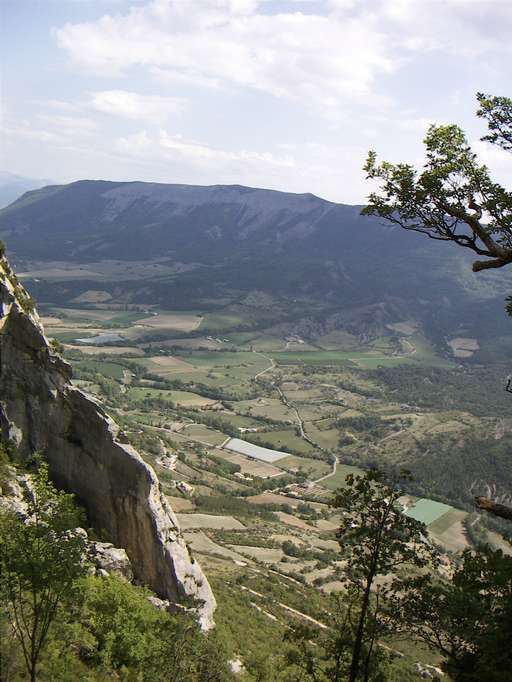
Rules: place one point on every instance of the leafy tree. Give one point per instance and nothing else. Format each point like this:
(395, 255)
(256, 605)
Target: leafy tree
(41, 558)
(325, 655)
(453, 198)
(122, 631)
(467, 619)
(377, 540)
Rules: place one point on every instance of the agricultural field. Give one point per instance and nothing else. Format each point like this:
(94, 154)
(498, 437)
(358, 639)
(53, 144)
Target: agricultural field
(196, 383)
(248, 465)
(381, 353)
(203, 434)
(181, 322)
(185, 398)
(428, 511)
(126, 351)
(285, 439)
(191, 521)
(338, 479)
(250, 450)
(313, 468)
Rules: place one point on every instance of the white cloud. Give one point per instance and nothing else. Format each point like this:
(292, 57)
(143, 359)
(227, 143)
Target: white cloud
(318, 60)
(464, 27)
(69, 125)
(286, 94)
(330, 171)
(27, 131)
(132, 105)
(496, 159)
(60, 105)
(197, 153)
(333, 55)
(137, 144)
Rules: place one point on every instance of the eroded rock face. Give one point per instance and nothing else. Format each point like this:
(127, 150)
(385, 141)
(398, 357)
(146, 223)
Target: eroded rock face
(110, 559)
(42, 412)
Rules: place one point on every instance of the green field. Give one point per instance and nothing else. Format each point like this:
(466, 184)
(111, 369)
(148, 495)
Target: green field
(284, 439)
(446, 521)
(428, 511)
(218, 322)
(313, 467)
(109, 369)
(204, 358)
(338, 480)
(367, 359)
(204, 434)
(321, 357)
(178, 397)
(327, 439)
(426, 354)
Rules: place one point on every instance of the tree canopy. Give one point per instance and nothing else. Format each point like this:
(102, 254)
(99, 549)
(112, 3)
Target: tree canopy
(467, 619)
(453, 197)
(41, 558)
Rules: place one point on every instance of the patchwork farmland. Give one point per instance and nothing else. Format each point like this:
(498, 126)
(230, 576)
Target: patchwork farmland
(254, 451)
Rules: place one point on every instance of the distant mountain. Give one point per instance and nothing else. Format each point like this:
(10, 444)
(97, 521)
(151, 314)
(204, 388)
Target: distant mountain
(227, 241)
(13, 186)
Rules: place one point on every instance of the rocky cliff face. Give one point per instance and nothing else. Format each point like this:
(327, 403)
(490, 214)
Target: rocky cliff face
(42, 412)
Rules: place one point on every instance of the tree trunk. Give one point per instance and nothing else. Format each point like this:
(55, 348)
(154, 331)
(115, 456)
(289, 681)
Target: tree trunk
(366, 675)
(358, 643)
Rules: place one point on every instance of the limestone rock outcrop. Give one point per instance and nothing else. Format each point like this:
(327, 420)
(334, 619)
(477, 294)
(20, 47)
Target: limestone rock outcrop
(109, 559)
(42, 412)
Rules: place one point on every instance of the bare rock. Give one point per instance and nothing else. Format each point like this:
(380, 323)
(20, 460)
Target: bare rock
(12, 494)
(162, 604)
(428, 672)
(113, 560)
(43, 412)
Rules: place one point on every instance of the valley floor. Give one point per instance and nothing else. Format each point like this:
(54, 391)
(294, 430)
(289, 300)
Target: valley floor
(250, 434)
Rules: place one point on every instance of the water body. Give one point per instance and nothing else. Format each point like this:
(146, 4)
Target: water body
(101, 339)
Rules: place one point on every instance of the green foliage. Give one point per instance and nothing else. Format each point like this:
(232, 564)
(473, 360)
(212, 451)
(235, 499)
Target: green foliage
(497, 111)
(27, 303)
(6, 458)
(56, 346)
(455, 469)
(448, 199)
(377, 539)
(40, 562)
(227, 504)
(325, 656)
(59, 624)
(219, 466)
(470, 389)
(468, 619)
(121, 630)
(372, 426)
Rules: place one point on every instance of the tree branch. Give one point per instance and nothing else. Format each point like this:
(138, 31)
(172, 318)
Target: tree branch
(488, 505)
(488, 264)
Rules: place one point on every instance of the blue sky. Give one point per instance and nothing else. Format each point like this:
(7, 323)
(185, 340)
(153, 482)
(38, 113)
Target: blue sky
(286, 94)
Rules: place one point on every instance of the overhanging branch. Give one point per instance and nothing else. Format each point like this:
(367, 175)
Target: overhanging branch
(488, 505)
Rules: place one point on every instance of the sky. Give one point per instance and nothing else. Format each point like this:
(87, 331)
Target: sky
(283, 94)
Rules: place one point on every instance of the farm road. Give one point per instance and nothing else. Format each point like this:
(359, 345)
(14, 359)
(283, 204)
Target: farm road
(300, 421)
(334, 465)
(267, 369)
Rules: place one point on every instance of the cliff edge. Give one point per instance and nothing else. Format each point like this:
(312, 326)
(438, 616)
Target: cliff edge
(40, 411)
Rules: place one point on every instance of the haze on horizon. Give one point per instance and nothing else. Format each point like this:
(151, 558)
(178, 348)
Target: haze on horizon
(288, 95)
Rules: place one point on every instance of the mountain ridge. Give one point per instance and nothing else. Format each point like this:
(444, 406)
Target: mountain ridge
(227, 240)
